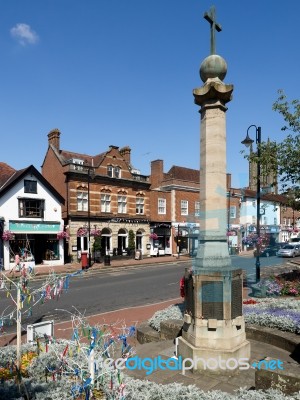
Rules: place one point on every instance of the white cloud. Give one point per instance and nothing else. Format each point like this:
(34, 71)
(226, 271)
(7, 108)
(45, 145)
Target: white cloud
(24, 34)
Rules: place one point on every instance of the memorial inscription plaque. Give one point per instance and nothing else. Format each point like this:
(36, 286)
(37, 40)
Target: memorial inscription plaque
(212, 300)
(236, 298)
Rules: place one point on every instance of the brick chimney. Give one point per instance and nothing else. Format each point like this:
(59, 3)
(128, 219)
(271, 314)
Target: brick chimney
(125, 153)
(53, 138)
(157, 173)
(228, 181)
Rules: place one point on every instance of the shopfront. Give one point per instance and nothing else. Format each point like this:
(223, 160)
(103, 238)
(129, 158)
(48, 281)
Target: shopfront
(33, 243)
(159, 240)
(186, 238)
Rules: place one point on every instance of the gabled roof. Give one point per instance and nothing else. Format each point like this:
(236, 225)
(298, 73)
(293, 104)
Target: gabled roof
(6, 172)
(89, 160)
(20, 174)
(65, 156)
(184, 174)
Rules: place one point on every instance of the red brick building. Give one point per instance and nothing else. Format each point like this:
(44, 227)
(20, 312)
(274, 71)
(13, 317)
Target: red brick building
(102, 193)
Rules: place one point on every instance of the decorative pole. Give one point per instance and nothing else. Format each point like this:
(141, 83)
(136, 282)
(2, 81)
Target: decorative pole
(19, 328)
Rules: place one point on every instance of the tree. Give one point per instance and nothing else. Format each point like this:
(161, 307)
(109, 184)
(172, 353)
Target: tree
(131, 241)
(97, 244)
(281, 159)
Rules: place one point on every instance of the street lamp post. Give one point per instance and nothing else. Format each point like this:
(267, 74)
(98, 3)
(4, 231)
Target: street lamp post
(248, 142)
(228, 220)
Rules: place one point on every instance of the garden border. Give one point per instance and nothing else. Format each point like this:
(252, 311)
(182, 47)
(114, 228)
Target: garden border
(171, 328)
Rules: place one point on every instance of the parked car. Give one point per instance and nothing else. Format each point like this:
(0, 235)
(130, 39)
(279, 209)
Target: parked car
(270, 250)
(289, 250)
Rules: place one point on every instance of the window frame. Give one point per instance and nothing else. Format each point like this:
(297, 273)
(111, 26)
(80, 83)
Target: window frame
(27, 209)
(139, 205)
(232, 212)
(29, 186)
(122, 204)
(113, 171)
(184, 207)
(83, 197)
(105, 200)
(161, 206)
(197, 208)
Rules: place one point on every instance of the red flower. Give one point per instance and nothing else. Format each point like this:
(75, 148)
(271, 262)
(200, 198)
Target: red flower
(249, 301)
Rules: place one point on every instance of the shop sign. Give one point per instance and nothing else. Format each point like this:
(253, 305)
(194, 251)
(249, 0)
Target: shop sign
(32, 227)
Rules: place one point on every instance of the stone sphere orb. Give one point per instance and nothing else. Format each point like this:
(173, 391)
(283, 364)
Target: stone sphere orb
(213, 66)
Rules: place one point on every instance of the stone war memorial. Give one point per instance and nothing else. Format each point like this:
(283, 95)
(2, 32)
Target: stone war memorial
(214, 324)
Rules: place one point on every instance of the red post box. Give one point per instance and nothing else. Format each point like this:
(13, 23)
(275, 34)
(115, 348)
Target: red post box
(84, 260)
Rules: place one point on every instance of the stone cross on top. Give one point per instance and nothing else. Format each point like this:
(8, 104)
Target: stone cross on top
(211, 18)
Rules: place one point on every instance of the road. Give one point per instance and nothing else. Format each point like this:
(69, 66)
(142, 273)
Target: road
(116, 289)
(106, 291)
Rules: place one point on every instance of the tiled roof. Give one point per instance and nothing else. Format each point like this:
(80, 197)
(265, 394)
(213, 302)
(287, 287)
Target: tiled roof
(16, 176)
(184, 174)
(6, 172)
(279, 198)
(89, 160)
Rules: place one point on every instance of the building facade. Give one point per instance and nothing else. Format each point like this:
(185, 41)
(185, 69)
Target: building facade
(30, 219)
(105, 197)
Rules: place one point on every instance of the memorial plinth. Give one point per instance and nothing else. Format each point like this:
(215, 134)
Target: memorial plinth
(214, 291)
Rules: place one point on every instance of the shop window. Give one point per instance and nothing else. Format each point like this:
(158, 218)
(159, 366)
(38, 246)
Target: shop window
(82, 243)
(30, 186)
(31, 208)
(139, 236)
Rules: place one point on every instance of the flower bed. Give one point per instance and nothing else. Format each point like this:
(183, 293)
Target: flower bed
(56, 386)
(286, 284)
(282, 314)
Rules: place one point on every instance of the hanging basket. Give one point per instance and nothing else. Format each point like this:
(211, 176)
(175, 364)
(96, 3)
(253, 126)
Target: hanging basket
(96, 232)
(8, 235)
(63, 235)
(82, 232)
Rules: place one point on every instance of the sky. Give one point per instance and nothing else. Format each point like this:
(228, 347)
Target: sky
(122, 73)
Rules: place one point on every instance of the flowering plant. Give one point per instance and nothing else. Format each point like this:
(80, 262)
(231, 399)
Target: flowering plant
(249, 301)
(95, 232)
(153, 236)
(82, 232)
(8, 235)
(287, 284)
(230, 233)
(252, 239)
(63, 235)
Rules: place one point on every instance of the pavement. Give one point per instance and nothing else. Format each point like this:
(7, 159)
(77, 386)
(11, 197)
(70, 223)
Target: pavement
(136, 315)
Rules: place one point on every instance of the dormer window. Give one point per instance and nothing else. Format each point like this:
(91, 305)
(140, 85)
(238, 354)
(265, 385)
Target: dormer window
(113, 172)
(77, 164)
(30, 186)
